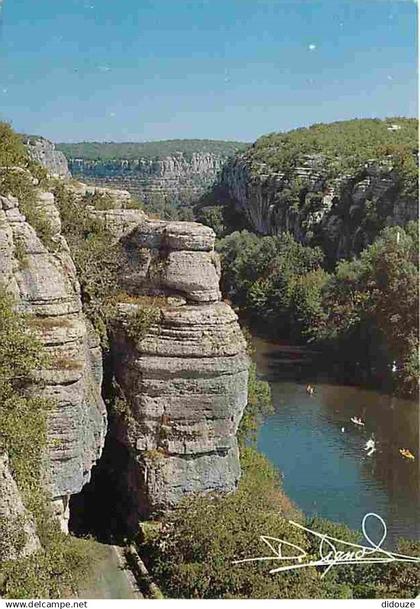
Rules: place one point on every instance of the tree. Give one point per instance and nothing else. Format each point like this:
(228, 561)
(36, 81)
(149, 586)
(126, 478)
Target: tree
(372, 302)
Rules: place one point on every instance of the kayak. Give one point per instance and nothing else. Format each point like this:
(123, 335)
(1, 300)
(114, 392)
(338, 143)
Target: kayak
(407, 454)
(356, 422)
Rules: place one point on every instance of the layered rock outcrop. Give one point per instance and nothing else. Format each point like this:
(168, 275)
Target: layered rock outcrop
(343, 214)
(183, 377)
(178, 354)
(44, 283)
(177, 177)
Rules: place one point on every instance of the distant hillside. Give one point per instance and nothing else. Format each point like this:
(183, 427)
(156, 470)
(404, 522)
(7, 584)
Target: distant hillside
(340, 145)
(166, 175)
(106, 151)
(336, 185)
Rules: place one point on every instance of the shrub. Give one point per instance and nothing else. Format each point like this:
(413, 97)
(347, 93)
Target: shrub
(19, 183)
(98, 259)
(12, 151)
(141, 321)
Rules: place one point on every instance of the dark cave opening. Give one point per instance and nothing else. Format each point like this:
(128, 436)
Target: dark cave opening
(100, 509)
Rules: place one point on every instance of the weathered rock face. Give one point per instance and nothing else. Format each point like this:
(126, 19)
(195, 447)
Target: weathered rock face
(172, 258)
(45, 286)
(340, 213)
(43, 151)
(16, 523)
(177, 177)
(184, 378)
(182, 373)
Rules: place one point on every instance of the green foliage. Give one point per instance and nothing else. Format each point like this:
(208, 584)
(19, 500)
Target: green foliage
(57, 571)
(342, 146)
(377, 295)
(365, 312)
(259, 405)
(19, 350)
(100, 201)
(105, 151)
(213, 217)
(98, 259)
(19, 183)
(141, 320)
(12, 536)
(265, 276)
(12, 151)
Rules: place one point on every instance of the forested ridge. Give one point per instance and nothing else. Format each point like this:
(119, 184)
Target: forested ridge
(361, 309)
(106, 151)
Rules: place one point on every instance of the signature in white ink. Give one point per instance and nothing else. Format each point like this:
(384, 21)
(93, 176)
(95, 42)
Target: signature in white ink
(329, 556)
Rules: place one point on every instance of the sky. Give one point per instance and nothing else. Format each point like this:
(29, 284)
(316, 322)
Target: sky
(139, 70)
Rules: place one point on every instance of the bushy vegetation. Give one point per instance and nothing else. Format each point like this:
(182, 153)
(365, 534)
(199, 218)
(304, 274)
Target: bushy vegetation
(275, 279)
(259, 404)
(12, 151)
(369, 306)
(365, 312)
(105, 151)
(98, 259)
(342, 146)
(145, 316)
(57, 568)
(20, 177)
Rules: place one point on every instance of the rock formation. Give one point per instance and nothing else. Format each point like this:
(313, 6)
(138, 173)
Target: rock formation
(184, 378)
(335, 211)
(179, 178)
(43, 151)
(45, 285)
(182, 373)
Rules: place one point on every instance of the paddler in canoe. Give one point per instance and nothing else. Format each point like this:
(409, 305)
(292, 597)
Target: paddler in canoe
(407, 453)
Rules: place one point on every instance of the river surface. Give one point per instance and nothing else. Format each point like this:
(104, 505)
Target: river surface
(320, 452)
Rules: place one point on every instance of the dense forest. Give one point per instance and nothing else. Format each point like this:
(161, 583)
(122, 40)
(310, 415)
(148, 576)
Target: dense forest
(105, 151)
(364, 314)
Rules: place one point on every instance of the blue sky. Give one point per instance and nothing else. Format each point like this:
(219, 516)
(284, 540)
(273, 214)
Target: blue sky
(136, 70)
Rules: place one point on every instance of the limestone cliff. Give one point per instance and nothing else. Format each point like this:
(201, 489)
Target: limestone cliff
(340, 213)
(182, 375)
(335, 185)
(44, 284)
(179, 178)
(184, 378)
(43, 151)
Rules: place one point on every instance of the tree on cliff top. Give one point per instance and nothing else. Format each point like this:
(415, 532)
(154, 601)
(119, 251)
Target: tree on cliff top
(12, 150)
